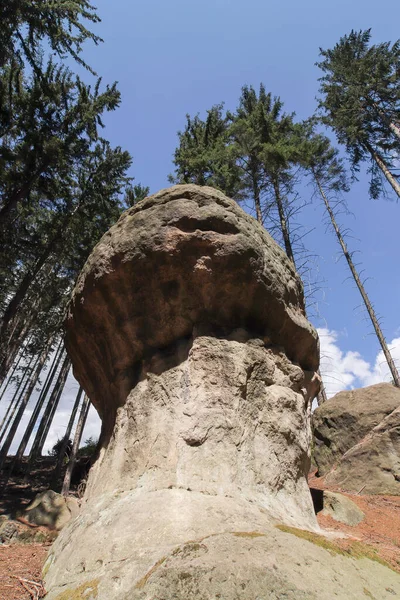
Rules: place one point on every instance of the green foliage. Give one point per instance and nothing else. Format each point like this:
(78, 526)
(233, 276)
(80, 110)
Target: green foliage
(361, 99)
(56, 449)
(25, 25)
(204, 155)
(251, 154)
(89, 448)
(62, 185)
(135, 194)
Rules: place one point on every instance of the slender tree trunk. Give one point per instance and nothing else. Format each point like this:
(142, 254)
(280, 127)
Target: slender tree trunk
(75, 446)
(9, 349)
(17, 397)
(46, 420)
(322, 397)
(394, 128)
(38, 407)
(383, 167)
(368, 305)
(15, 368)
(9, 439)
(61, 456)
(19, 296)
(283, 222)
(54, 408)
(257, 201)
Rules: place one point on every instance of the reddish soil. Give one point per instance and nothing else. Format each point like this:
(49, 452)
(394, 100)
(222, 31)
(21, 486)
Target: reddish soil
(20, 571)
(21, 563)
(380, 528)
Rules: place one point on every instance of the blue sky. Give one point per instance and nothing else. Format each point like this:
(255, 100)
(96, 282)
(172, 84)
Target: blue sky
(182, 56)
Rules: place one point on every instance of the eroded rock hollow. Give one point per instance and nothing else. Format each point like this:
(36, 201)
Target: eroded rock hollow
(188, 332)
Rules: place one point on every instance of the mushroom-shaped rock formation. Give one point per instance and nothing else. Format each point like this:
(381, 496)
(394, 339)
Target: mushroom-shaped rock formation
(188, 332)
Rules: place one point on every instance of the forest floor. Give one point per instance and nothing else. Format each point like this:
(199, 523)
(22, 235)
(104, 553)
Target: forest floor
(21, 563)
(380, 528)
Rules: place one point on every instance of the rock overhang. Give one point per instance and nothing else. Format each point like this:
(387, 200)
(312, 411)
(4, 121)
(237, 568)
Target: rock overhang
(184, 257)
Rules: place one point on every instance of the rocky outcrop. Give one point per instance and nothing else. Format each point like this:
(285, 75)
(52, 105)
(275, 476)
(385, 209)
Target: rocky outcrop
(347, 418)
(373, 465)
(187, 330)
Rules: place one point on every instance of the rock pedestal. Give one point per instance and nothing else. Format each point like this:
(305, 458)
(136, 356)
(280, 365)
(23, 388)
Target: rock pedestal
(187, 330)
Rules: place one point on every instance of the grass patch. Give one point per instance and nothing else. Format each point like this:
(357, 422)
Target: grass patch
(248, 534)
(86, 591)
(354, 549)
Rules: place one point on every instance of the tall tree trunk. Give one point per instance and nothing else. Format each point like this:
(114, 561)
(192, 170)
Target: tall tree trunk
(54, 408)
(9, 439)
(17, 397)
(63, 448)
(15, 368)
(10, 349)
(257, 200)
(39, 404)
(368, 305)
(42, 431)
(321, 398)
(24, 286)
(283, 222)
(75, 446)
(383, 167)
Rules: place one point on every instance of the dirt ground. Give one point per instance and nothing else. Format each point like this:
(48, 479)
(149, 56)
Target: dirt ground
(20, 571)
(21, 564)
(380, 527)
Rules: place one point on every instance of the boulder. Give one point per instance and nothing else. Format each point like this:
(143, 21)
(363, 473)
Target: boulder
(344, 420)
(188, 332)
(49, 509)
(373, 465)
(342, 509)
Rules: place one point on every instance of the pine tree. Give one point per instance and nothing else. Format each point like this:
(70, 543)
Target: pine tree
(25, 25)
(361, 103)
(204, 156)
(329, 177)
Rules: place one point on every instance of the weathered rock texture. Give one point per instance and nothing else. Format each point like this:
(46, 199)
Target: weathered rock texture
(347, 418)
(373, 465)
(187, 330)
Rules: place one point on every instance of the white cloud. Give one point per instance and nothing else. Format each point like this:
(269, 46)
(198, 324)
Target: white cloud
(347, 370)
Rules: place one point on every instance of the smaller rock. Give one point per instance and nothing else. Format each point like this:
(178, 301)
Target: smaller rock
(342, 509)
(8, 530)
(373, 465)
(49, 509)
(347, 418)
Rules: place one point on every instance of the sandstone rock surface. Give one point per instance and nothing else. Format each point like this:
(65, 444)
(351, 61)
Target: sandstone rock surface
(373, 465)
(344, 420)
(187, 330)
